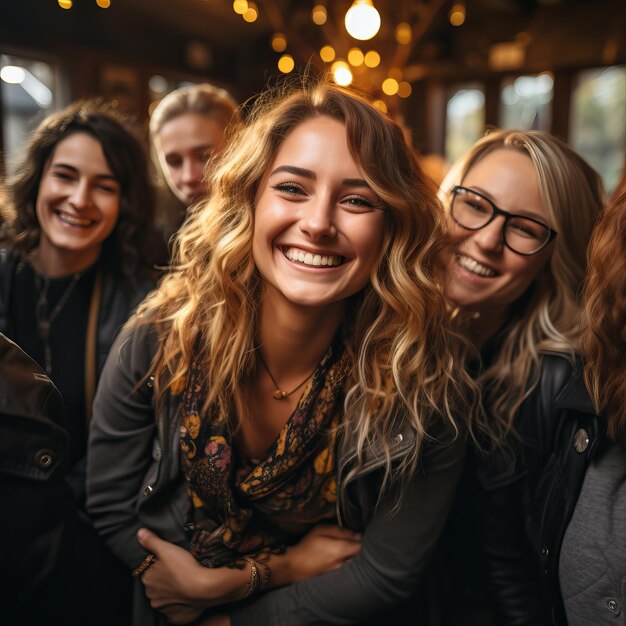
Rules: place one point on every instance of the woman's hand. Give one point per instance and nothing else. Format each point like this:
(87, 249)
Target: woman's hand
(323, 549)
(181, 588)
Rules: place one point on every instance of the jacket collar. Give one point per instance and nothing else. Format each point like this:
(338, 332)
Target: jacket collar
(574, 395)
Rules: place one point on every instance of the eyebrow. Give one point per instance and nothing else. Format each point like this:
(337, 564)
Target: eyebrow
(75, 171)
(310, 174)
(521, 212)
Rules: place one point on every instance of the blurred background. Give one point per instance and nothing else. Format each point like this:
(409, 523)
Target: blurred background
(445, 69)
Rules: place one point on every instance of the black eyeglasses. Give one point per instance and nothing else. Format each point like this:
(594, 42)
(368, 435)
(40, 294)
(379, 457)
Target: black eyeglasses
(523, 235)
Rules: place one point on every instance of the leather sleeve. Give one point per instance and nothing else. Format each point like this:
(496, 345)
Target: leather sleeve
(397, 545)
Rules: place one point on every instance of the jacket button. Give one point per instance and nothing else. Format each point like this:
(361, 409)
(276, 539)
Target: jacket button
(612, 605)
(148, 490)
(545, 551)
(44, 458)
(581, 440)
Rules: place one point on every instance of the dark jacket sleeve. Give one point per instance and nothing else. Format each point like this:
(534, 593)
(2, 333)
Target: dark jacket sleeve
(397, 544)
(507, 483)
(123, 453)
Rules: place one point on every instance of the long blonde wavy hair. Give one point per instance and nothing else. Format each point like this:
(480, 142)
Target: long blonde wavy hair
(604, 337)
(406, 366)
(546, 319)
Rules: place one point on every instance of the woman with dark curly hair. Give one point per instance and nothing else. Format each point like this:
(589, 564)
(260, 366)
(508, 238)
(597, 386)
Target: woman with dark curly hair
(75, 256)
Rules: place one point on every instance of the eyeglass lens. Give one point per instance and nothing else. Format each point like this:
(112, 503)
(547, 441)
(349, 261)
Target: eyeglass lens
(521, 234)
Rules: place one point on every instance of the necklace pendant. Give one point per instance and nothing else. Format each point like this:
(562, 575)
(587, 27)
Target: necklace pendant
(279, 395)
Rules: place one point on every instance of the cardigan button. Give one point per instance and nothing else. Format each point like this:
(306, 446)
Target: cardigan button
(581, 440)
(612, 605)
(148, 490)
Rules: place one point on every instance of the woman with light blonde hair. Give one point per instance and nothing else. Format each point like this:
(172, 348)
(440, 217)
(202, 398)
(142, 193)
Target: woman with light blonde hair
(521, 207)
(303, 338)
(186, 128)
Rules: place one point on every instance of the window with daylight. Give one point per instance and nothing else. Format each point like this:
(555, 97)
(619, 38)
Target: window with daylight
(598, 120)
(465, 119)
(526, 102)
(29, 91)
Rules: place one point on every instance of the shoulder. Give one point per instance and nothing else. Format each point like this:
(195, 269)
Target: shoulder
(133, 350)
(556, 371)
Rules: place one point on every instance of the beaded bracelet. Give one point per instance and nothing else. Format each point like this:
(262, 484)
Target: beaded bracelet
(145, 564)
(254, 579)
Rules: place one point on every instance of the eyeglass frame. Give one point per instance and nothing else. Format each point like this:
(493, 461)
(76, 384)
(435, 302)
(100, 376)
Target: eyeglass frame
(507, 216)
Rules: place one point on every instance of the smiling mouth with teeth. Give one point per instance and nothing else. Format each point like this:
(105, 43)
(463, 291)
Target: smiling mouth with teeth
(313, 260)
(474, 267)
(72, 220)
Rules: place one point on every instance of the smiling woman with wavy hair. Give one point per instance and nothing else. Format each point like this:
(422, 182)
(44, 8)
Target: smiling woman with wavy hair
(302, 334)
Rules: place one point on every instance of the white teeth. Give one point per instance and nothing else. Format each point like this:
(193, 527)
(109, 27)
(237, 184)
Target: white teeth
(474, 266)
(314, 260)
(74, 221)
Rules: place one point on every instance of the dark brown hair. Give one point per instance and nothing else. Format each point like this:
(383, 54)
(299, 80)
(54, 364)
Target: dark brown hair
(126, 251)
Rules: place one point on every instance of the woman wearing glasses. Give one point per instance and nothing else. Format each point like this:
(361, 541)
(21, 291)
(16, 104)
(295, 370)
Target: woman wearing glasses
(521, 209)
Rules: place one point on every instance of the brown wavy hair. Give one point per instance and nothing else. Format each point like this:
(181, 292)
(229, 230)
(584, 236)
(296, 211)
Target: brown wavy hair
(127, 250)
(406, 366)
(604, 337)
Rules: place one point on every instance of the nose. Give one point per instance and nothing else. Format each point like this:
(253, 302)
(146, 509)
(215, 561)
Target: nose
(192, 172)
(317, 218)
(80, 197)
(490, 238)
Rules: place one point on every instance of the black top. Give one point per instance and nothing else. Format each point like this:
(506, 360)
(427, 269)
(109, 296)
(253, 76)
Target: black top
(68, 332)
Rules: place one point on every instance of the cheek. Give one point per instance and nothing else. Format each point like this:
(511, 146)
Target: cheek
(112, 214)
(368, 240)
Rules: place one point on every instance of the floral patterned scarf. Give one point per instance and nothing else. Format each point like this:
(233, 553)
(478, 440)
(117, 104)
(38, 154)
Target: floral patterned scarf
(244, 506)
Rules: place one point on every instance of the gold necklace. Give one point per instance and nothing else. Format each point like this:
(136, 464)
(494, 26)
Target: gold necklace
(279, 394)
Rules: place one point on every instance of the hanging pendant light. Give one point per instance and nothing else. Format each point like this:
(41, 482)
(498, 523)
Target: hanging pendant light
(362, 20)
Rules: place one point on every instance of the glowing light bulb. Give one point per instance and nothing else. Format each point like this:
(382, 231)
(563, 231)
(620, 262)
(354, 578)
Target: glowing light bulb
(12, 74)
(341, 73)
(457, 14)
(362, 20)
(319, 14)
(327, 54)
(279, 42)
(390, 86)
(65, 4)
(355, 57)
(404, 89)
(103, 4)
(404, 34)
(240, 6)
(286, 63)
(372, 58)
(252, 13)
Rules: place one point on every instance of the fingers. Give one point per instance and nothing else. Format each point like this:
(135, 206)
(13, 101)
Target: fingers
(336, 532)
(149, 541)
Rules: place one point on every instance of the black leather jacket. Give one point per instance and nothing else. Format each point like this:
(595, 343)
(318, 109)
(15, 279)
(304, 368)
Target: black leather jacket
(528, 495)
(54, 568)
